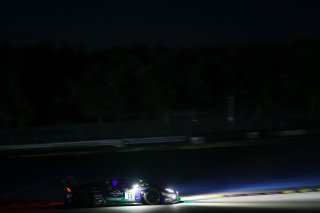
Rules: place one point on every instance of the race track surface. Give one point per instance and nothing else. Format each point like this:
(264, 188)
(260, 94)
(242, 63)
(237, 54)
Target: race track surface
(192, 171)
(303, 202)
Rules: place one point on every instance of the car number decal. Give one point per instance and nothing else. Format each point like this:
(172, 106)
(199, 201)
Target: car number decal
(129, 196)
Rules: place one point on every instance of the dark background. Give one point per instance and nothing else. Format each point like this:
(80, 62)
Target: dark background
(100, 61)
(174, 66)
(44, 85)
(99, 24)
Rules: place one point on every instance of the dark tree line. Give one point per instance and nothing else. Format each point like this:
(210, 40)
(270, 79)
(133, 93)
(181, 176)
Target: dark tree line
(45, 85)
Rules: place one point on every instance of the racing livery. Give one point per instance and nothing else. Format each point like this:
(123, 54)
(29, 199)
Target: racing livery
(118, 191)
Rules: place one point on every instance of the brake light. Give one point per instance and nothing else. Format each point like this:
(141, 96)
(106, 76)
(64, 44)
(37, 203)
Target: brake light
(68, 190)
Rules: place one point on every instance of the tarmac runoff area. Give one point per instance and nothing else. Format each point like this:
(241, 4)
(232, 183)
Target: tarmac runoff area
(303, 199)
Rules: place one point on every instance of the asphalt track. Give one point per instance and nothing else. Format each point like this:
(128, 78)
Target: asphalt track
(302, 202)
(191, 171)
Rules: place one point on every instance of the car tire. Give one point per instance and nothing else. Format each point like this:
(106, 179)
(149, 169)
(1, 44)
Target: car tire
(152, 197)
(67, 203)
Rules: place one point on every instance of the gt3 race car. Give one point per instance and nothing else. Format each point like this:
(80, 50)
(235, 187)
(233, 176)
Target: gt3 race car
(118, 191)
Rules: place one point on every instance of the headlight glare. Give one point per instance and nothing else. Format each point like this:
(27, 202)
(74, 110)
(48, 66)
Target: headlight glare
(170, 190)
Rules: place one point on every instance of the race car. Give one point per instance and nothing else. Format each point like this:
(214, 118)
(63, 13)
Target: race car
(116, 191)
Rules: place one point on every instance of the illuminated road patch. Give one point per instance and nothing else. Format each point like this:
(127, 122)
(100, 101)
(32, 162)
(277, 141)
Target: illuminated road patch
(301, 206)
(294, 197)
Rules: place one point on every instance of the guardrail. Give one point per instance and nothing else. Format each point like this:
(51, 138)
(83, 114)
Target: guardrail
(96, 143)
(195, 139)
(185, 126)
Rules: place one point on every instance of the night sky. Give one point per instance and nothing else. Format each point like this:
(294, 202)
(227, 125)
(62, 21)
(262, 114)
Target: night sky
(99, 24)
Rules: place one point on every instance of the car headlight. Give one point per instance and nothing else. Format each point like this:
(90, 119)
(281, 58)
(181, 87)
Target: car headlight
(135, 186)
(170, 190)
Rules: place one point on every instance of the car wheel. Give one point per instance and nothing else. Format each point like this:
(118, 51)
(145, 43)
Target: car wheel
(67, 202)
(152, 196)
